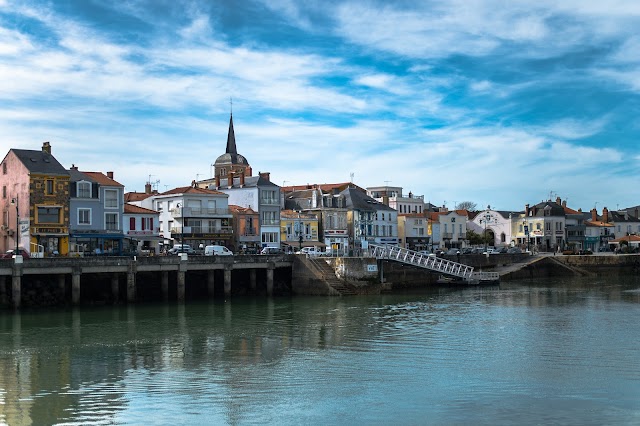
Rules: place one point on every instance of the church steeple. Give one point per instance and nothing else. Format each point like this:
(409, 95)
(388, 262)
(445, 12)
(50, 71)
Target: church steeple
(231, 138)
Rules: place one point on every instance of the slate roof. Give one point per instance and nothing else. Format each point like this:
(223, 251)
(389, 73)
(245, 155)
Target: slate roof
(40, 162)
(358, 200)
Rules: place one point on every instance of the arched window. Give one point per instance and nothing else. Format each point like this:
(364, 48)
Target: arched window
(503, 238)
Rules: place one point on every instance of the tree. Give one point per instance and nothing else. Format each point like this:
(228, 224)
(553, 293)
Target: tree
(467, 205)
(474, 238)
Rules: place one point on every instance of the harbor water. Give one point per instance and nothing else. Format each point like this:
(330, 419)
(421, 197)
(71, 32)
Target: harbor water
(559, 351)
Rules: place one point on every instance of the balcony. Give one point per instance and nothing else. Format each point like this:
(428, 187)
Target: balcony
(193, 230)
(270, 201)
(447, 235)
(270, 222)
(198, 212)
(249, 232)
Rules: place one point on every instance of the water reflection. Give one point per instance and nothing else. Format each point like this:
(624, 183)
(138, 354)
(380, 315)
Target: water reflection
(442, 352)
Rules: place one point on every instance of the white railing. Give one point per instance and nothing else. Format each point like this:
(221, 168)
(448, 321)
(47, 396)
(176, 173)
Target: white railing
(422, 260)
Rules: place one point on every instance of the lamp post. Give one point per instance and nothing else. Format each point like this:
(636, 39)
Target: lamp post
(525, 228)
(14, 201)
(300, 228)
(181, 207)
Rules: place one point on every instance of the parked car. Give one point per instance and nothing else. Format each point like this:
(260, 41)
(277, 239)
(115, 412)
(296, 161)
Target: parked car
(514, 250)
(181, 248)
(453, 252)
(466, 250)
(216, 250)
(10, 253)
(310, 251)
(271, 250)
(501, 250)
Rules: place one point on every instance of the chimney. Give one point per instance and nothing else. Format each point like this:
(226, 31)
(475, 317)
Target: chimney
(248, 170)
(242, 178)
(147, 188)
(605, 215)
(74, 167)
(217, 182)
(230, 179)
(265, 175)
(46, 147)
(558, 200)
(193, 184)
(564, 203)
(594, 215)
(526, 210)
(110, 175)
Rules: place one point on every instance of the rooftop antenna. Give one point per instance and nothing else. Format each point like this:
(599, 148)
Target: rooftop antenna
(387, 182)
(351, 174)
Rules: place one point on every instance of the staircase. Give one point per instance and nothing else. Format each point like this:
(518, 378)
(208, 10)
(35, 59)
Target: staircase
(423, 260)
(329, 276)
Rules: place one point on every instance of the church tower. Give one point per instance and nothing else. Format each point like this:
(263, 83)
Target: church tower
(231, 163)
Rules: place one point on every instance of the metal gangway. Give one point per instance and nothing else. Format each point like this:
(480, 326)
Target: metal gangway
(422, 260)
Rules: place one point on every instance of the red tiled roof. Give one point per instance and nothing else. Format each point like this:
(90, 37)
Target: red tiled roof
(133, 209)
(191, 190)
(136, 196)
(242, 210)
(102, 179)
(323, 186)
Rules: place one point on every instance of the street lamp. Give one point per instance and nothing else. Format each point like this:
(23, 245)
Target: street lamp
(525, 228)
(181, 207)
(300, 227)
(14, 202)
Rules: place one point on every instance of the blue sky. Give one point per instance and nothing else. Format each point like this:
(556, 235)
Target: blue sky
(496, 102)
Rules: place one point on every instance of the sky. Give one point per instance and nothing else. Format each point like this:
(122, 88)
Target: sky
(500, 103)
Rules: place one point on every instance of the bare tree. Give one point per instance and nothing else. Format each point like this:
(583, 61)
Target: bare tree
(467, 205)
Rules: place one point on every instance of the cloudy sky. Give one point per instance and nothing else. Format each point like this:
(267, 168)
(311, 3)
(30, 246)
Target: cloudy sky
(495, 102)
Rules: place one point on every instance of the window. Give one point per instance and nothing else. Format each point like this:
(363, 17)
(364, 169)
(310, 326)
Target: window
(269, 218)
(4, 168)
(132, 223)
(269, 237)
(49, 186)
(49, 215)
(453, 220)
(111, 221)
(111, 198)
(84, 216)
(83, 190)
(4, 192)
(159, 206)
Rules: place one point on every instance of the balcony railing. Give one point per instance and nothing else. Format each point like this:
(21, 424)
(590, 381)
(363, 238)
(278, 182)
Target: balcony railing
(270, 222)
(202, 230)
(198, 212)
(270, 201)
(250, 232)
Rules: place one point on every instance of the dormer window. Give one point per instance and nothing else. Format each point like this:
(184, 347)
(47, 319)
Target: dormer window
(83, 190)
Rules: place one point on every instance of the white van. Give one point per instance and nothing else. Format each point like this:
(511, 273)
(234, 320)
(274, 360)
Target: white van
(217, 251)
(311, 251)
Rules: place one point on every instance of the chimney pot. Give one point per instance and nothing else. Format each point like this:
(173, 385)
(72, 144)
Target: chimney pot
(110, 175)
(46, 147)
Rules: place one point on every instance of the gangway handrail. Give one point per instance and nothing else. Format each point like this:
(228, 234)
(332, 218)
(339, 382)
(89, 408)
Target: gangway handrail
(422, 260)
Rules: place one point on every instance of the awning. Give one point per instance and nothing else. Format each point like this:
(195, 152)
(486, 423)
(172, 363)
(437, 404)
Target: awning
(145, 238)
(304, 244)
(104, 236)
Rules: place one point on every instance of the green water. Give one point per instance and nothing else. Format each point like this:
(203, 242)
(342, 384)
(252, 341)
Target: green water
(547, 352)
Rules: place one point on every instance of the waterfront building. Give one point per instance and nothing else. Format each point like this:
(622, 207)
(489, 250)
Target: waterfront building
(495, 224)
(96, 211)
(574, 227)
(392, 197)
(413, 231)
(35, 202)
(450, 227)
(141, 230)
(245, 229)
(369, 221)
(624, 222)
(299, 229)
(598, 232)
(191, 215)
(233, 176)
(326, 202)
(546, 221)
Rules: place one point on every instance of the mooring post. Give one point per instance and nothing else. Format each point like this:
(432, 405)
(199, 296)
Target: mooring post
(62, 285)
(16, 282)
(75, 285)
(227, 280)
(252, 279)
(115, 290)
(164, 285)
(210, 282)
(182, 272)
(270, 268)
(131, 282)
